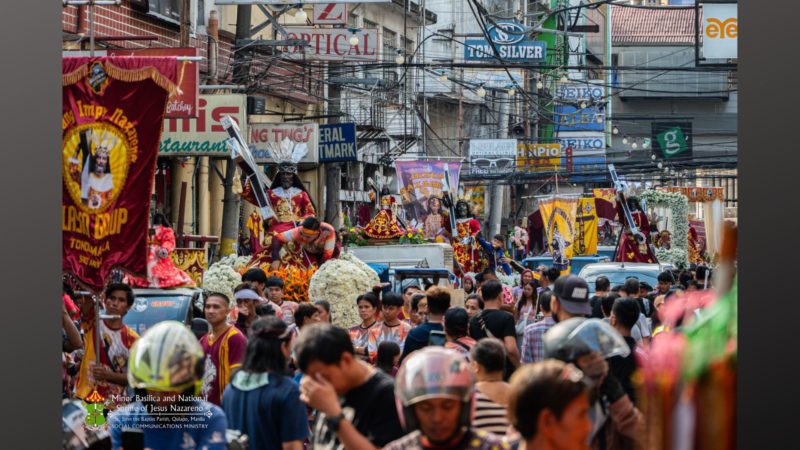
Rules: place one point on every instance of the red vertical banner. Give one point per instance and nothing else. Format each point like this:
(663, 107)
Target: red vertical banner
(112, 113)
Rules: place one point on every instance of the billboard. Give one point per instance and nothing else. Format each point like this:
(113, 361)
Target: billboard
(332, 44)
(337, 142)
(204, 136)
(262, 135)
(720, 31)
(538, 157)
(672, 139)
(511, 43)
(330, 14)
(572, 118)
(492, 156)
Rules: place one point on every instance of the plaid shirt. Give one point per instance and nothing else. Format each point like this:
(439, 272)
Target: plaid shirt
(532, 343)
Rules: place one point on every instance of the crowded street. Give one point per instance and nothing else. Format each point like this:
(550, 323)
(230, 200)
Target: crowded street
(458, 224)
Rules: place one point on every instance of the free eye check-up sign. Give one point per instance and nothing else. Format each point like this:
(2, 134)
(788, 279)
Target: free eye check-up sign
(492, 156)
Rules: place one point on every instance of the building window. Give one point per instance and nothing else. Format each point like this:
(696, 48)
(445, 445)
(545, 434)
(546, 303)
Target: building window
(169, 10)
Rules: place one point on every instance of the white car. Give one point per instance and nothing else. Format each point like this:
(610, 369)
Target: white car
(618, 272)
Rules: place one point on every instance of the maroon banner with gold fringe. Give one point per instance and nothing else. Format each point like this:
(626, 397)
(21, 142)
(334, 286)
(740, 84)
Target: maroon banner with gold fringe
(112, 112)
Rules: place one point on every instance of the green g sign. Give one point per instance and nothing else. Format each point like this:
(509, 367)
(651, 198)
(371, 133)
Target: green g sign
(673, 139)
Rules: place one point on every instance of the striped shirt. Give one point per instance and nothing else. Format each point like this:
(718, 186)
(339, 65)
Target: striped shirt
(489, 416)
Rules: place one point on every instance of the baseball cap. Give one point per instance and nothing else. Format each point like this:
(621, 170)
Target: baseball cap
(572, 292)
(407, 283)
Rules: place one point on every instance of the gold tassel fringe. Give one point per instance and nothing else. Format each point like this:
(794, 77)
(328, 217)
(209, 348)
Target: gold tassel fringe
(121, 74)
(75, 76)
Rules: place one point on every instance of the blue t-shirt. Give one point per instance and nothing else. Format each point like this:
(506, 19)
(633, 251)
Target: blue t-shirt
(418, 337)
(267, 408)
(198, 425)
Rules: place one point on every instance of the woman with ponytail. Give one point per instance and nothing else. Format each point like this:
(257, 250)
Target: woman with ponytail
(261, 400)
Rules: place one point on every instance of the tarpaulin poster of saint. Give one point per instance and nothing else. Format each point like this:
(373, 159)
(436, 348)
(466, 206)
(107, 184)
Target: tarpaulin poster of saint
(112, 113)
(419, 182)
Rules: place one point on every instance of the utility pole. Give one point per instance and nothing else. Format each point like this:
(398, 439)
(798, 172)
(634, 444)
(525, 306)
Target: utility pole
(230, 201)
(186, 23)
(333, 170)
(496, 214)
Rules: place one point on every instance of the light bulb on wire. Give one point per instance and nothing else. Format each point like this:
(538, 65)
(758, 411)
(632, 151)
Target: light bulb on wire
(481, 92)
(625, 140)
(564, 79)
(634, 146)
(539, 85)
(660, 165)
(583, 105)
(399, 59)
(443, 76)
(615, 130)
(653, 156)
(353, 40)
(301, 14)
(511, 91)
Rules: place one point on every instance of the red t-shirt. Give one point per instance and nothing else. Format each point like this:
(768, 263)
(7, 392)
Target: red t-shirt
(223, 355)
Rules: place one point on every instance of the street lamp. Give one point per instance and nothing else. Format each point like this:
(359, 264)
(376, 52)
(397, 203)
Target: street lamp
(354, 38)
(301, 14)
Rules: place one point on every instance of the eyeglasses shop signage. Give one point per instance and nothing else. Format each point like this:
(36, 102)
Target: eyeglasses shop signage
(332, 44)
(720, 31)
(511, 45)
(264, 136)
(492, 156)
(204, 136)
(337, 142)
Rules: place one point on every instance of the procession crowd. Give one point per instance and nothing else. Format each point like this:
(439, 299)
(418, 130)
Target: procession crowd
(418, 372)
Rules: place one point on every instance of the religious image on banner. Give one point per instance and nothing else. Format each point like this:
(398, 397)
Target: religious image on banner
(558, 216)
(586, 229)
(419, 181)
(109, 148)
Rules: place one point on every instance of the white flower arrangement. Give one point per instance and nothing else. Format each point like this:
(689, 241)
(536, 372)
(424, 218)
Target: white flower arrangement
(340, 281)
(678, 204)
(676, 256)
(506, 280)
(221, 277)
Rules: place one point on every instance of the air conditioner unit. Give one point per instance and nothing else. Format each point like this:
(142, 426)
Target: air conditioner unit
(256, 105)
